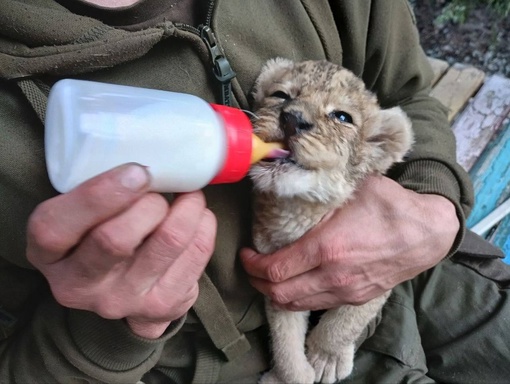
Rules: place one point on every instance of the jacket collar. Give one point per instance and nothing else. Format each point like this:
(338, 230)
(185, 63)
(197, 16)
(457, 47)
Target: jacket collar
(48, 39)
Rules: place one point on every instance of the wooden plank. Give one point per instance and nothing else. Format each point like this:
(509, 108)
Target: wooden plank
(439, 67)
(478, 122)
(457, 86)
(491, 177)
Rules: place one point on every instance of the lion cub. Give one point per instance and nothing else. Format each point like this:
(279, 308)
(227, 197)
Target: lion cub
(336, 135)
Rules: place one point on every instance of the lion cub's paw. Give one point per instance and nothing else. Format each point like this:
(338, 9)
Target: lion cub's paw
(305, 374)
(331, 367)
(270, 378)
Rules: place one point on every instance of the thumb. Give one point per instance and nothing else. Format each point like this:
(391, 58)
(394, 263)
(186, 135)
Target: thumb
(249, 255)
(254, 263)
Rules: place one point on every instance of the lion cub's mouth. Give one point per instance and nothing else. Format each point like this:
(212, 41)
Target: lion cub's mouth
(278, 153)
(281, 156)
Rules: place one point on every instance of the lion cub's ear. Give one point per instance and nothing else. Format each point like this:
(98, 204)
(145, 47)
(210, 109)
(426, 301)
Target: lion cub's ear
(389, 137)
(272, 69)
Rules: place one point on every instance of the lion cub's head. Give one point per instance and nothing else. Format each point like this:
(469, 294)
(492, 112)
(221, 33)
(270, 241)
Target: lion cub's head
(331, 124)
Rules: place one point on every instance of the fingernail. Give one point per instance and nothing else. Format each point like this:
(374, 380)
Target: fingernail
(134, 177)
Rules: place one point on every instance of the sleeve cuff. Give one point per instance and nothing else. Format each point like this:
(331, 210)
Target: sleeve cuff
(432, 177)
(111, 344)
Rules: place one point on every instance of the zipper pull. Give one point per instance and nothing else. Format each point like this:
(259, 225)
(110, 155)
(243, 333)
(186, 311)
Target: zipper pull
(221, 67)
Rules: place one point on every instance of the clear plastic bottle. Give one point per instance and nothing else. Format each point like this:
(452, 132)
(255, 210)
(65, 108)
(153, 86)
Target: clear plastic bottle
(185, 142)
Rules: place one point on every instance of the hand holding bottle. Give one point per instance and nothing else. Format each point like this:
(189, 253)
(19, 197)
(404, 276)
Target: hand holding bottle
(111, 247)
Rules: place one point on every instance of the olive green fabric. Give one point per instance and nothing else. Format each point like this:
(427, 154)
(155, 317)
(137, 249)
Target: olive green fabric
(42, 41)
(420, 338)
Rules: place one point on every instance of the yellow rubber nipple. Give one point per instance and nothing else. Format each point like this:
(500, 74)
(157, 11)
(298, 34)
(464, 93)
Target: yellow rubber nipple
(262, 150)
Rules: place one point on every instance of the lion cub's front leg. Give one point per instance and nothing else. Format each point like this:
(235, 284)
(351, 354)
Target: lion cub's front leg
(331, 344)
(288, 331)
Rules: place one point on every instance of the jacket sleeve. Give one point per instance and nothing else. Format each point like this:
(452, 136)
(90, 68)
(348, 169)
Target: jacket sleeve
(41, 341)
(381, 44)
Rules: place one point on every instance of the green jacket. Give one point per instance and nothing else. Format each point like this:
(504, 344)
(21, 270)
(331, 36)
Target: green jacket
(223, 338)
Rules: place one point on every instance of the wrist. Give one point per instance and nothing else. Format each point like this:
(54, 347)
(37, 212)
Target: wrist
(441, 225)
(430, 177)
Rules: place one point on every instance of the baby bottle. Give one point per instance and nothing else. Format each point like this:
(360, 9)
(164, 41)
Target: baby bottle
(185, 142)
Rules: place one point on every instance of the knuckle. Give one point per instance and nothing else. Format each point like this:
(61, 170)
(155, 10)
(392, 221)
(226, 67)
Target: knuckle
(67, 297)
(275, 273)
(179, 232)
(178, 312)
(63, 298)
(94, 194)
(209, 220)
(42, 235)
(95, 189)
(339, 280)
(205, 240)
(357, 299)
(194, 198)
(204, 245)
(109, 309)
(328, 252)
(295, 306)
(191, 294)
(156, 200)
(173, 238)
(171, 308)
(108, 240)
(189, 299)
(277, 296)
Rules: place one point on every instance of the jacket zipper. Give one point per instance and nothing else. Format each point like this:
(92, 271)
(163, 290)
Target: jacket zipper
(221, 67)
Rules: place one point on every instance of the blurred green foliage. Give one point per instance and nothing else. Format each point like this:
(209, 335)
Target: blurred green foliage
(457, 11)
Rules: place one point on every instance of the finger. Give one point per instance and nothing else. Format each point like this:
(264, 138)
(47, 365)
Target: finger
(149, 324)
(58, 224)
(117, 239)
(333, 299)
(293, 260)
(170, 239)
(147, 329)
(323, 300)
(173, 294)
(191, 264)
(296, 288)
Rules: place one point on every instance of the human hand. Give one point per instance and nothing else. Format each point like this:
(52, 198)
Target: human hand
(385, 236)
(111, 247)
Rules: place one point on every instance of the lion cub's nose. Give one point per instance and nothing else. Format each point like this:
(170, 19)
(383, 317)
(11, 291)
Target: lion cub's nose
(294, 123)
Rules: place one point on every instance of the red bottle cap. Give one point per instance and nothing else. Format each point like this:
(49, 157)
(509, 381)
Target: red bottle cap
(239, 144)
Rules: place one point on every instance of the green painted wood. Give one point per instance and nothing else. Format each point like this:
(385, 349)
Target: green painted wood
(501, 238)
(491, 181)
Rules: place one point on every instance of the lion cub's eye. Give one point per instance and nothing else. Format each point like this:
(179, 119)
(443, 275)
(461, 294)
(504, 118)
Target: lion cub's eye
(280, 95)
(342, 116)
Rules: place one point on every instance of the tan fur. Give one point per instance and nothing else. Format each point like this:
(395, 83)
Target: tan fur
(328, 159)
